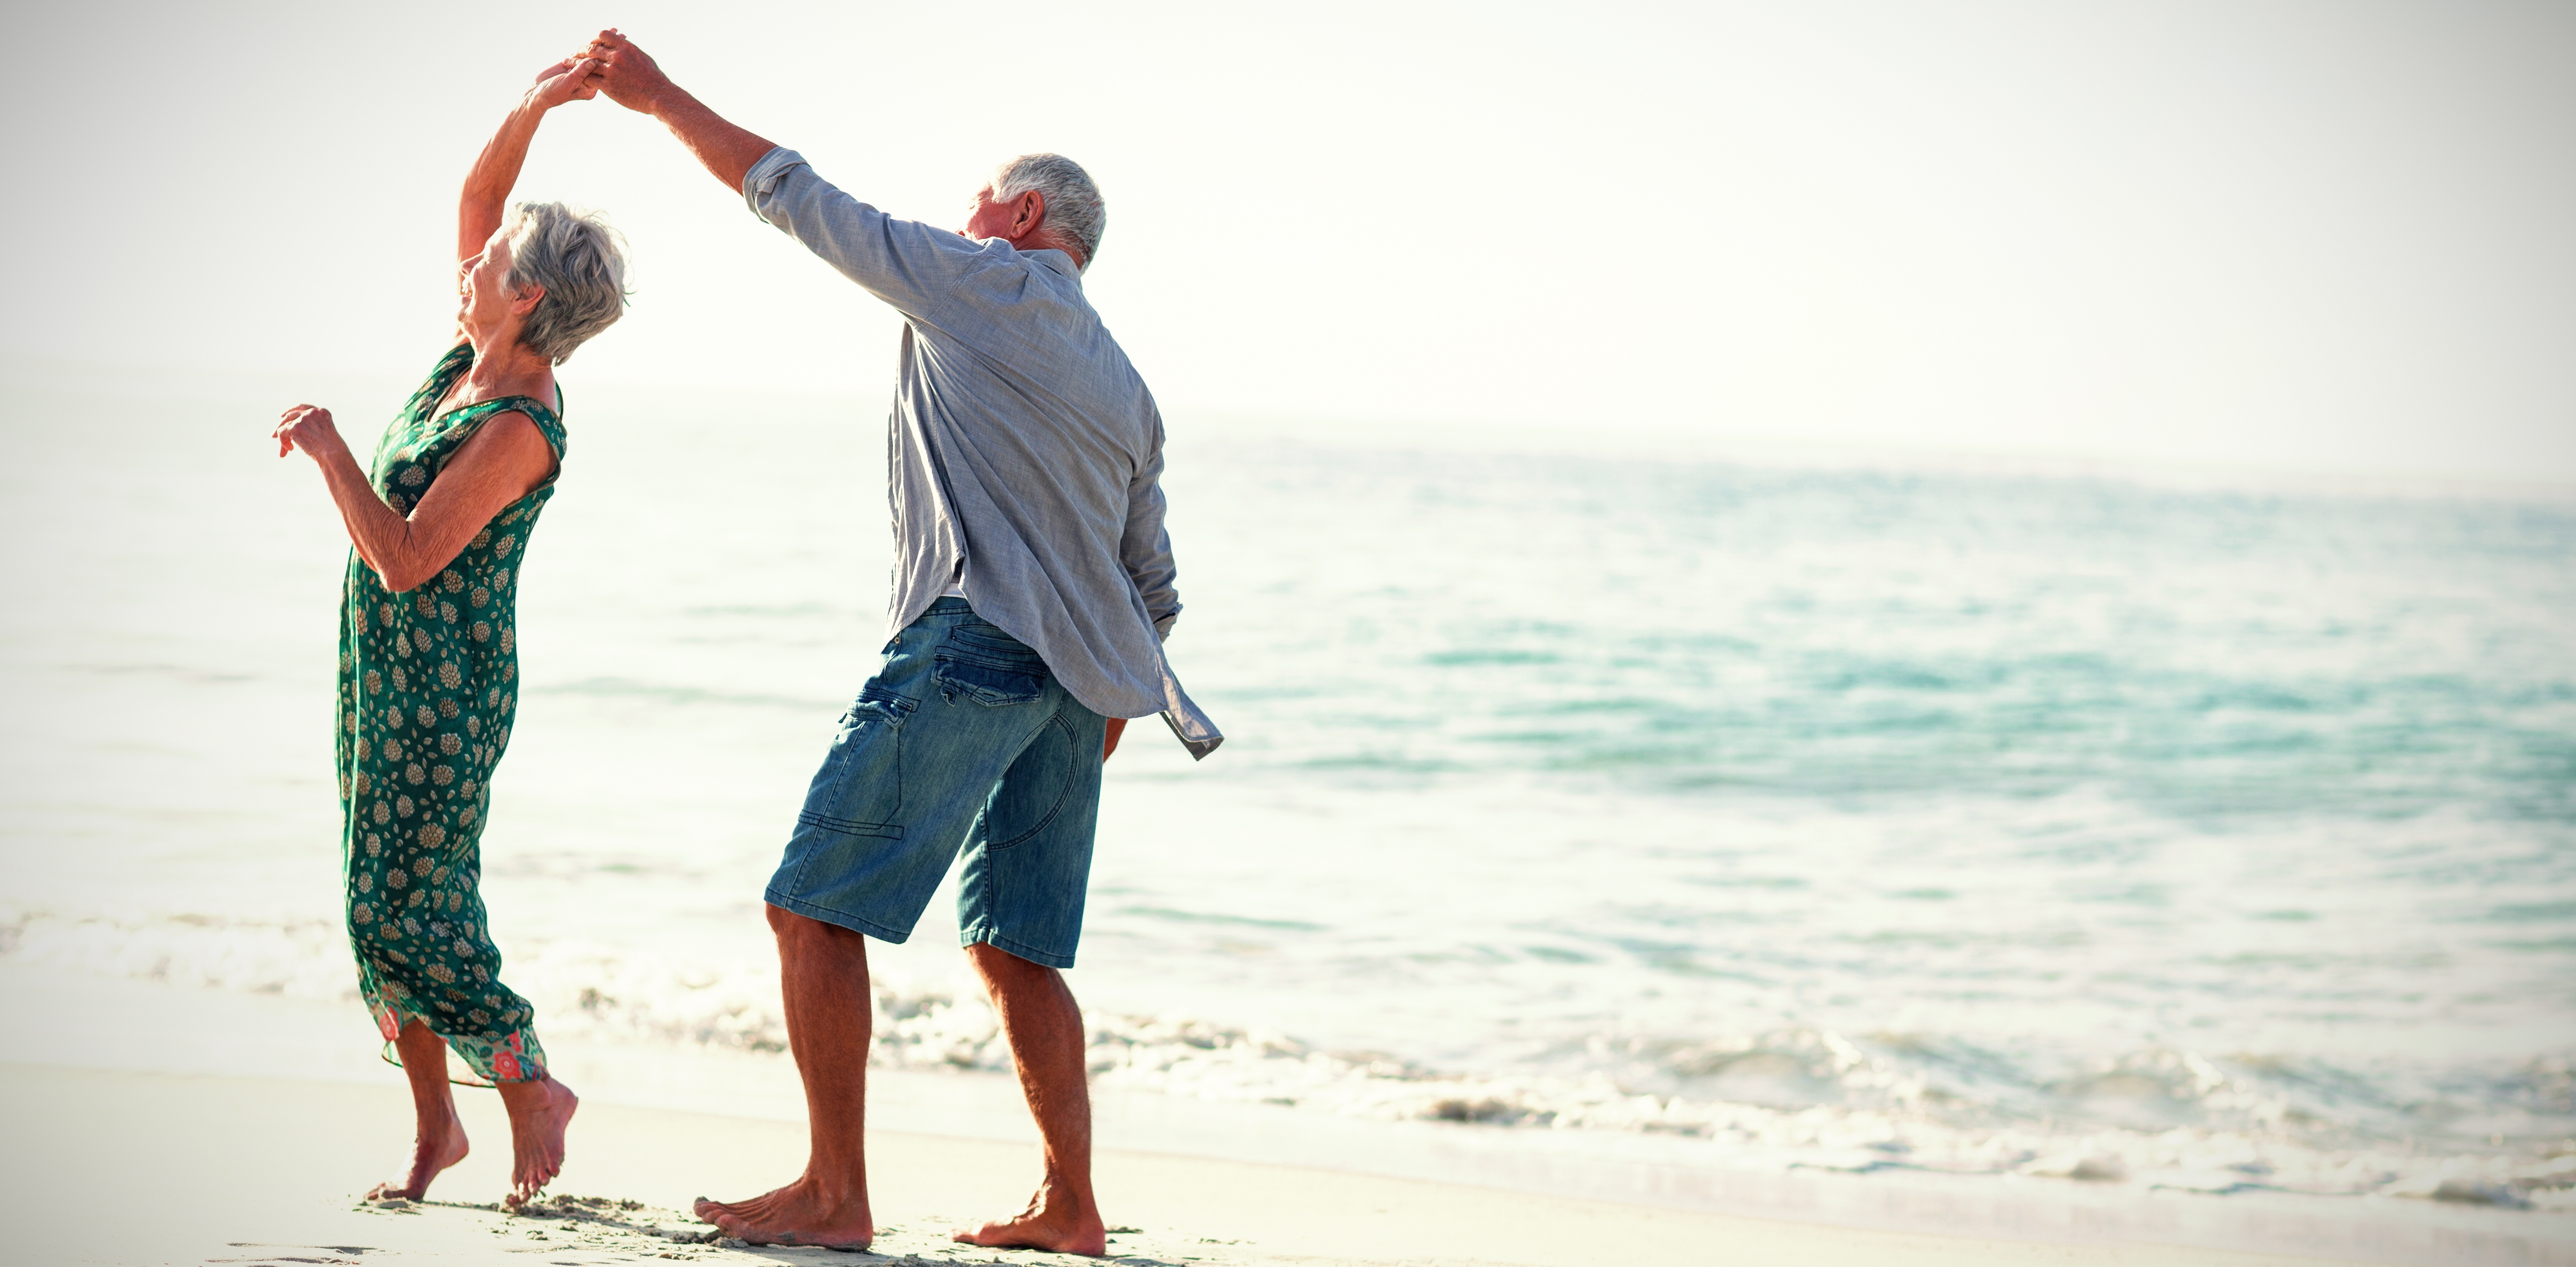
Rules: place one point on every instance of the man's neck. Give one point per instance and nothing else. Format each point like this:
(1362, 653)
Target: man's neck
(1042, 240)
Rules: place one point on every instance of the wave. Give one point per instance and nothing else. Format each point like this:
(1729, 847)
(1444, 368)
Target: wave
(1791, 1098)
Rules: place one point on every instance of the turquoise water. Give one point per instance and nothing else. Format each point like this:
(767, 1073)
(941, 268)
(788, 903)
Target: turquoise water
(1705, 628)
(1858, 815)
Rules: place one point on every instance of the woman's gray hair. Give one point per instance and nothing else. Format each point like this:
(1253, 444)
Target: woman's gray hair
(582, 265)
(1073, 206)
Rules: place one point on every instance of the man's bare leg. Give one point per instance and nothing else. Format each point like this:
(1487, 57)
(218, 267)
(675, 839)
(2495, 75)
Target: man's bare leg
(539, 1112)
(1044, 1026)
(823, 973)
(437, 1137)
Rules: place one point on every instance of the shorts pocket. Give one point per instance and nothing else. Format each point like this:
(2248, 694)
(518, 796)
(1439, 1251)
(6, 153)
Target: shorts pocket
(996, 685)
(859, 790)
(988, 666)
(877, 702)
(849, 826)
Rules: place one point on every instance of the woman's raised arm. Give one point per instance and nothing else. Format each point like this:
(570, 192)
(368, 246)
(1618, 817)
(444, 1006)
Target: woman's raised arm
(486, 196)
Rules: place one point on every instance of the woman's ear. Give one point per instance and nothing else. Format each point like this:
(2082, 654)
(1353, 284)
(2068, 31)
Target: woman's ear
(525, 301)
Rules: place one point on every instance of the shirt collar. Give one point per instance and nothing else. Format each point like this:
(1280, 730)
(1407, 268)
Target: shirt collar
(1057, 260)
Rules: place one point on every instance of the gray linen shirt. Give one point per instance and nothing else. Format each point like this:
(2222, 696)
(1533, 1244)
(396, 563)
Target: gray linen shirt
(1024, 452)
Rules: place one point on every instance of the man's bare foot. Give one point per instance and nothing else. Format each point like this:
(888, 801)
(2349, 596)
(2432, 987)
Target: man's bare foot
(1055, 1220)
(799, 1214)
(539, 1112)
(433, 1149)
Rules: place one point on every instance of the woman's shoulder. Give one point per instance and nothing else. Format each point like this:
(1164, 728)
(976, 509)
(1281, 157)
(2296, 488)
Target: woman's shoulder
(540, 404)
(515, 411)
(522, 414)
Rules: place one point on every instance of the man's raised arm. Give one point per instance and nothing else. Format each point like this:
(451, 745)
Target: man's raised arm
(903, 262)
(631, 79)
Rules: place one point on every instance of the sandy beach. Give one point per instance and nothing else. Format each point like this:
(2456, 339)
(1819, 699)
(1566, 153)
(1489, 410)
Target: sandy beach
(125, 1167)
(156, 1124)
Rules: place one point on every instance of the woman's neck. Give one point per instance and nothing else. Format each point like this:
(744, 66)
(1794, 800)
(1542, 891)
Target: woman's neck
(503, 366)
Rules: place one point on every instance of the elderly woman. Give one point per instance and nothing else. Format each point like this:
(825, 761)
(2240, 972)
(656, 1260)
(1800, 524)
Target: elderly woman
(429, 673)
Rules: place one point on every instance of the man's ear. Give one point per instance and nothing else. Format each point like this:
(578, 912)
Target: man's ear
(1029, 215)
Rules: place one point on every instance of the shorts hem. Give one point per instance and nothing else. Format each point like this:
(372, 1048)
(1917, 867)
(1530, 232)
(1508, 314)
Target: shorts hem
(1023, 950)
(840, 919)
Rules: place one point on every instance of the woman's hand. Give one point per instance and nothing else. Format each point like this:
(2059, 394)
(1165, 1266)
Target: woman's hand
(502, 462)
(572, 79)
(309, 427)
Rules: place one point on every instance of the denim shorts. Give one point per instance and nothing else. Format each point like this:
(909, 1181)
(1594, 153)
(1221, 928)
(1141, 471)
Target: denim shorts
(962, 740)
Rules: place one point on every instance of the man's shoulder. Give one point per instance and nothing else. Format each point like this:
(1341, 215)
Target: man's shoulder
(996, 263)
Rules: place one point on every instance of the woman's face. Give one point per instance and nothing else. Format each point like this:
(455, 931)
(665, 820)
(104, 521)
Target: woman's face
(482, 301)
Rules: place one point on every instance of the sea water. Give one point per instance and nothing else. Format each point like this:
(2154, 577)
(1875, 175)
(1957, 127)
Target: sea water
(1869, 815)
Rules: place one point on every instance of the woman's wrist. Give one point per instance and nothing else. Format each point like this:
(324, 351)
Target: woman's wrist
(326, 449)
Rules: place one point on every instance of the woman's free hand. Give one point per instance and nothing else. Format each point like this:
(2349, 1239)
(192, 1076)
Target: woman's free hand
(572, 79)
(308, 427)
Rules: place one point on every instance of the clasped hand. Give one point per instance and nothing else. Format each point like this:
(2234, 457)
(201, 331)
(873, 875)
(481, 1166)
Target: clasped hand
(611, 64)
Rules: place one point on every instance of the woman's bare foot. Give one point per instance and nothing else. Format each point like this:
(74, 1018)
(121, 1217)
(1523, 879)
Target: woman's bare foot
(799, 1214)
(1055, 1220)
(434, 1147)
(539, 1112)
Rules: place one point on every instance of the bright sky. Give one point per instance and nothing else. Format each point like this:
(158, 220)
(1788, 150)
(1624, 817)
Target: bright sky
(2333, 235)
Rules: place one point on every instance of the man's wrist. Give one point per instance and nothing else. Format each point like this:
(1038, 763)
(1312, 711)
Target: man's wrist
(662, 98)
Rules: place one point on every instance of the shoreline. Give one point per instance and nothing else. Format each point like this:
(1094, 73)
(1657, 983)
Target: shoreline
(132, 1041)
(267, 1171)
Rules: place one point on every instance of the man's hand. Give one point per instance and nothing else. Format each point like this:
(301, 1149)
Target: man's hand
(629, 77)
(572, 79)
(626, 73)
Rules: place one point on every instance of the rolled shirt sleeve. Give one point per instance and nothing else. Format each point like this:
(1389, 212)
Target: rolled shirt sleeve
(906, 263)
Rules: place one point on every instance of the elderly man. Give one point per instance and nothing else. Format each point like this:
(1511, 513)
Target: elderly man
(1032, 588)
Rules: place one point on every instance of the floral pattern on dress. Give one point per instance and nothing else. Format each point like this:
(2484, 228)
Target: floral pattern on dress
(429, 685)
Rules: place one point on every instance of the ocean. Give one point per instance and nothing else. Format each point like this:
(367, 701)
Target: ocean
(1856, 813)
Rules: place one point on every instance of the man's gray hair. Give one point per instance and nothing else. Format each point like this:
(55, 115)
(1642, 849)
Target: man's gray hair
(578, 259)
(1073, 206)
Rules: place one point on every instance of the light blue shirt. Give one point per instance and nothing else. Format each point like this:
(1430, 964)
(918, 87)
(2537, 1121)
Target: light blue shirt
(1024, 454)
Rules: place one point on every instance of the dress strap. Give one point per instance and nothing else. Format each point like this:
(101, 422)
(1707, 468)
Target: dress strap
(472, 417)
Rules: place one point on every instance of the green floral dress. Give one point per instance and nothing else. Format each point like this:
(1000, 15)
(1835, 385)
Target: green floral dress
(428, 686)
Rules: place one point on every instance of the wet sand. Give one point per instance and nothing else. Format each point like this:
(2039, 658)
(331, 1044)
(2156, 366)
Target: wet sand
(134, 1167)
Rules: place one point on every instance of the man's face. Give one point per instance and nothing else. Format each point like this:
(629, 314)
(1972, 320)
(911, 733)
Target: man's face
(989, 219)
